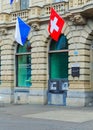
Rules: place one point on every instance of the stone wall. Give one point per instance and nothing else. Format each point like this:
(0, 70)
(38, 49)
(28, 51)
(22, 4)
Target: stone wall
(79, 34)
(80, 38)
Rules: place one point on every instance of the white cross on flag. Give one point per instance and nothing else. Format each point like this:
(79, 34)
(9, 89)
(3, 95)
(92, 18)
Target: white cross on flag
(55, 25)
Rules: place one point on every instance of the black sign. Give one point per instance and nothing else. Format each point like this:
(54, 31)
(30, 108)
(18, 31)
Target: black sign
(75, 71)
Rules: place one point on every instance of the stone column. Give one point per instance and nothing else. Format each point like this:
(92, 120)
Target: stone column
(80, 91)
(38, 91)
(7, 69)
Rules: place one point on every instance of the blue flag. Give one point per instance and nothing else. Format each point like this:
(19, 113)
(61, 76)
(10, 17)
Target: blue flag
(11, 1)
(22, 31)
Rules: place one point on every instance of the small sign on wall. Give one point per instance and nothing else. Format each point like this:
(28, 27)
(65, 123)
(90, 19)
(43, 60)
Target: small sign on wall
(75, 71)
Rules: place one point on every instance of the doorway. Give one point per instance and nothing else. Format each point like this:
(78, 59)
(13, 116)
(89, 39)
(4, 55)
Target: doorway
(58, 59)
(58, 71)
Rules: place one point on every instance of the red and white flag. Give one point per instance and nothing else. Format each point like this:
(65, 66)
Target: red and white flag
(55, 25)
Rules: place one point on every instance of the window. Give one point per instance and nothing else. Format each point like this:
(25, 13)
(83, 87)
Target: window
(24, 4)
(58, 58)
(60, 45)
(23, 73)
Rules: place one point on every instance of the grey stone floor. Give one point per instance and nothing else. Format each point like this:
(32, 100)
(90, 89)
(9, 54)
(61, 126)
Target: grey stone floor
(45, 117)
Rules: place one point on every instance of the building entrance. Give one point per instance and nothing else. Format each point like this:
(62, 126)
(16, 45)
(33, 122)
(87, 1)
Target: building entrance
(58, 70)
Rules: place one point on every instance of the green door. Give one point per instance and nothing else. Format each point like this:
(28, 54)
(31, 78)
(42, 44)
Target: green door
(58, 59)
(59, 65)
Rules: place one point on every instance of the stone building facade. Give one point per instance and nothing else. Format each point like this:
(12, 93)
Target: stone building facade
(33, 73)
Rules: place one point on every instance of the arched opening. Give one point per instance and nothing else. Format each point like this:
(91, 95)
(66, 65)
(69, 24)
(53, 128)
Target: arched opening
(58, 59)
(23, 65)
(58, 71)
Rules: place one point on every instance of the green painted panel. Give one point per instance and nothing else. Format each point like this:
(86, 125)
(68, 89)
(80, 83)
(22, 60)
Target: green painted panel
(59, 65)
(58, 62)
(24, 71)
(24, 65)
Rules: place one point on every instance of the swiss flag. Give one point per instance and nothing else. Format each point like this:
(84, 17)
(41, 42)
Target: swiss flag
(55, 25)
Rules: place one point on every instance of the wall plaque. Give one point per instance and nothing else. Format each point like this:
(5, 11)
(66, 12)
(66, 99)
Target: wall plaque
(75, 71)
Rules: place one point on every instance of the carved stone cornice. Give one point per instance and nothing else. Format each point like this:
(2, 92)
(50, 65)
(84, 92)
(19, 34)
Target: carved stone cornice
(77, 19)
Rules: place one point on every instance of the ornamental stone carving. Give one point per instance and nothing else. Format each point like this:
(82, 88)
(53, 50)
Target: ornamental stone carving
(35, 26)
(78, 19)
(3, 31)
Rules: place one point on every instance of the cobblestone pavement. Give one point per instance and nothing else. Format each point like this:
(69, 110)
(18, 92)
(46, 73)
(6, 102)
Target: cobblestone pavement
(45, 117)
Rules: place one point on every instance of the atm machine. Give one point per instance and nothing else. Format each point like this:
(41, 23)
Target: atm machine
(57, 91)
